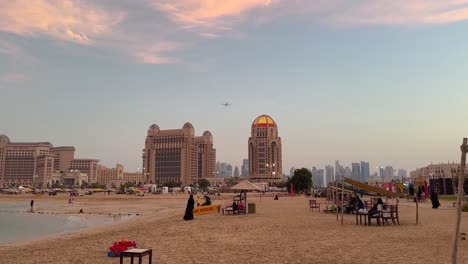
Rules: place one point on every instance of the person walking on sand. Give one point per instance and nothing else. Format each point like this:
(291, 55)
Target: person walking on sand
(32, 205)
(189, 210)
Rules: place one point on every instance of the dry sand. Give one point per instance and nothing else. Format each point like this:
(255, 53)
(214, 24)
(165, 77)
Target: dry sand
(282, 231)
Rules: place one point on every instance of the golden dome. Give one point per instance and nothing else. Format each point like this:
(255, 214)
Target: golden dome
(264, 121)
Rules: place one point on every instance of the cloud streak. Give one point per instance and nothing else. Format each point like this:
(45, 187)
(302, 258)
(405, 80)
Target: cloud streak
(401, 12)
(74, 21)
(12, 77)
(207, 13)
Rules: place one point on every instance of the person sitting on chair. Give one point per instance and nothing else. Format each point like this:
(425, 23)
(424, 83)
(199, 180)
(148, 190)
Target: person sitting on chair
(207, 200)
(377, 207)
(240, 206)
(360, 205)
(234, 207)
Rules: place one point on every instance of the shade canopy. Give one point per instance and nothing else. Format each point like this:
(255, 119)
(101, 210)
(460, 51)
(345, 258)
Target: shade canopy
(245, 185)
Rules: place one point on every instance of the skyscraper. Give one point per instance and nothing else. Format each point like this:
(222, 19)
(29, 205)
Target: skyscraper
(339, 171)
(388, 173)
(356, 171)
(320, 177)
(329, 174)
(365, 171)
(236, 172)
(245, 168)
(177, 155)
(265, 161)
(402, 173)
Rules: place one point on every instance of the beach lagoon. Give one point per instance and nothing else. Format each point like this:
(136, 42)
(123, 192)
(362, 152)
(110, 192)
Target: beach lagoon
(17, 223)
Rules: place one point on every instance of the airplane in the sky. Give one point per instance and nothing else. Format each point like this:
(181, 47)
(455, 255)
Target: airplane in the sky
(226, 104)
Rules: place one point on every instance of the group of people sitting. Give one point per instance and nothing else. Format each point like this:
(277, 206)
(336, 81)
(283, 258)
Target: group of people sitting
(238, 207)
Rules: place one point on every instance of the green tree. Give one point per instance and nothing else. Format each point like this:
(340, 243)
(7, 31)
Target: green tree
(203, 183)
(301, 180)
(172, 184)
(282, 184)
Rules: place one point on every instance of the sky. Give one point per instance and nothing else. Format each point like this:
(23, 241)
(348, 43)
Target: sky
(382, 81)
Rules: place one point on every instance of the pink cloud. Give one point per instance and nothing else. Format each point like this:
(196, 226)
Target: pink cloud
(152, 54)
(12, 77)
(402, 12)
(207, 12)
(69, 20)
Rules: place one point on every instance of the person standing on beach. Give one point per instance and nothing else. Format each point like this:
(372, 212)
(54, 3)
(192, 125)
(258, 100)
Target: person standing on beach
(189, 210)
(198, 201)
(32, 205)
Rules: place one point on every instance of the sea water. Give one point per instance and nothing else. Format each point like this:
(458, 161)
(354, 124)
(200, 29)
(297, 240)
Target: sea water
(17, 223)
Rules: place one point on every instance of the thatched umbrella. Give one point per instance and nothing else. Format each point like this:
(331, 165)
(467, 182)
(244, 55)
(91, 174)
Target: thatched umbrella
(245, 185)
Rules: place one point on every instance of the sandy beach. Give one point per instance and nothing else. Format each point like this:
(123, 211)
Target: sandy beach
(282, 231)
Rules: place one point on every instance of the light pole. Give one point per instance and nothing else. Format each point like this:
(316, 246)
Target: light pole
(34, 180)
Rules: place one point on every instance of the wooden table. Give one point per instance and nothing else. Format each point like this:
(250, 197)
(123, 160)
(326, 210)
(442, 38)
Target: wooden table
(136, 252)
(360, 216)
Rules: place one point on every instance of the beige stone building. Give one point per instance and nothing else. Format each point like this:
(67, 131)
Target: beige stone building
(39, 163)
(176, 155)
(265, 158)
(63, 157)
(206, 156)
(442, 170)
(440, 175)
(88, 166)
(25, 163)
(117, 175)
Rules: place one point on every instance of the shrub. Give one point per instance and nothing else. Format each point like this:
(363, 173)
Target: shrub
(465, 207)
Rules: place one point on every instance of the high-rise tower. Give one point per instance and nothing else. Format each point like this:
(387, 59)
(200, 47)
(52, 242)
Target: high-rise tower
(265, 161)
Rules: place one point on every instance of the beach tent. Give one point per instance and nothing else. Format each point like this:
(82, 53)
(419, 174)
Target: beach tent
(245, 185)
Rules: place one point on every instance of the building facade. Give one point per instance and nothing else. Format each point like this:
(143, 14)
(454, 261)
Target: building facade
(356, 171)
(176, 155)
(329, 174)
(245, 168)
(365, 171)
(265, 150)
(442, 177)
(118, 175)
(25, 163)
(206, 156)
(62, 157)
(87, 166)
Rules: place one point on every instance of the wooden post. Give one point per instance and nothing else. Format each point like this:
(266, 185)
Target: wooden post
(336, 199)
(342, 199)
(461, 192)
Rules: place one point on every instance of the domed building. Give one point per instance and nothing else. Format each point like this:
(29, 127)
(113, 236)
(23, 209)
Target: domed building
(177, 155)
(265, 161)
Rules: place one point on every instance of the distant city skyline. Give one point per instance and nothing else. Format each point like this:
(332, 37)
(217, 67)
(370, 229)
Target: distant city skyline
(350, 80)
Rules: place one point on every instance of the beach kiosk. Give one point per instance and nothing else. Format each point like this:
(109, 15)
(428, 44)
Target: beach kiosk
(244, 187)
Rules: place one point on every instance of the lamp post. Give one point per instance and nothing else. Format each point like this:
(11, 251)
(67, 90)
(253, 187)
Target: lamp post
(34, 180)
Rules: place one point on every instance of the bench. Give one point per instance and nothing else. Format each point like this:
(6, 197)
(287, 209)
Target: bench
(314, 205)
(136, 252)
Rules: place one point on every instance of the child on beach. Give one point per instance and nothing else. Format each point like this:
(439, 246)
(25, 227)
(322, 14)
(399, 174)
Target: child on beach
(198, 201)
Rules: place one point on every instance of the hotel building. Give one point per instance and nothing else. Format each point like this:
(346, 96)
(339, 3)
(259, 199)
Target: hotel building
(441, 176)
(88, 166)
(25, 163)
(177, 155)
(117, 175)
(265, 161)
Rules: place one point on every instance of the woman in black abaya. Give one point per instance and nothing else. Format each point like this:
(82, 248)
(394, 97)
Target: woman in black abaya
(189, 210)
